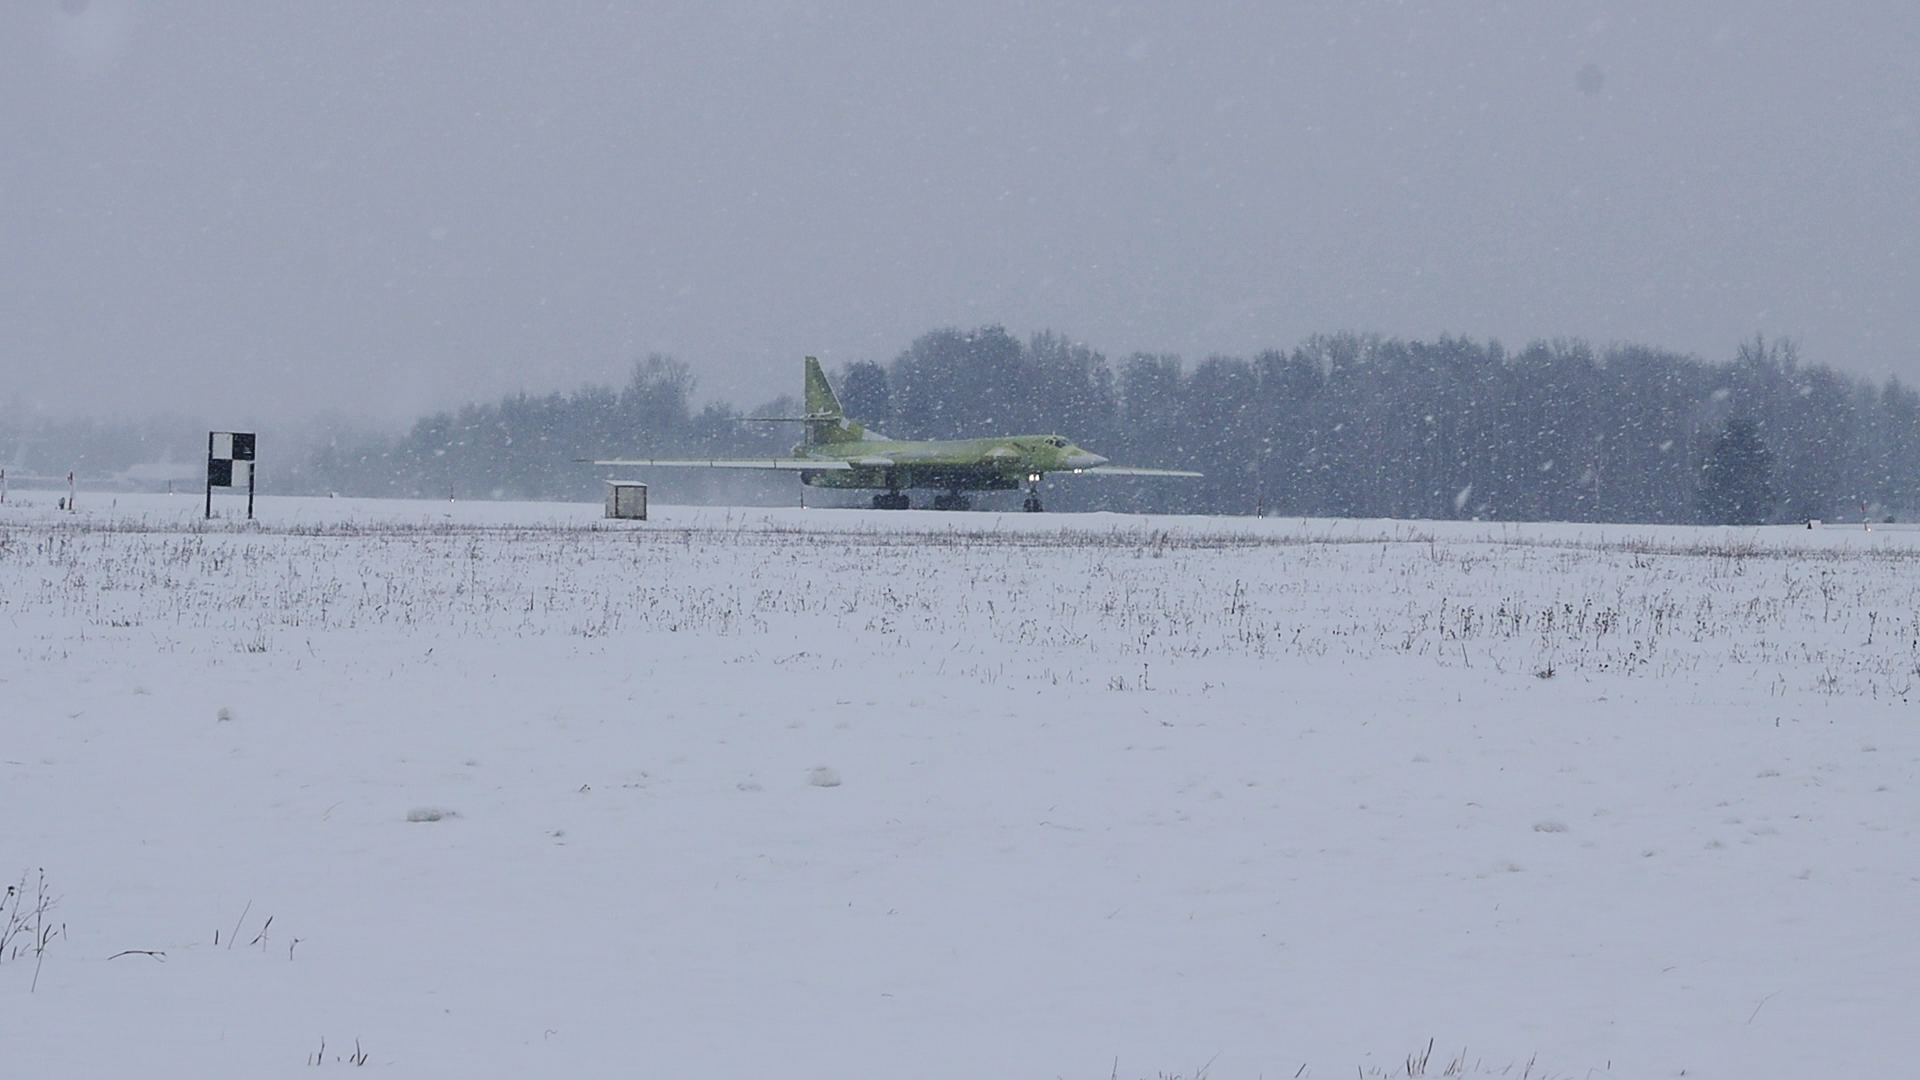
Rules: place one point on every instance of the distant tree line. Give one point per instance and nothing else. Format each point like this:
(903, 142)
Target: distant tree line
(38, 451)
(524, 447)
(1345, 425)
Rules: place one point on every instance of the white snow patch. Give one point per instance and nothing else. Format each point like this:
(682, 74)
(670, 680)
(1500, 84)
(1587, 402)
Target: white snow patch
(1297, 849)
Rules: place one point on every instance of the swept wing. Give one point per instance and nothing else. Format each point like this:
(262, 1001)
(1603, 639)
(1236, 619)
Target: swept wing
(1129, 470)
(795, 464)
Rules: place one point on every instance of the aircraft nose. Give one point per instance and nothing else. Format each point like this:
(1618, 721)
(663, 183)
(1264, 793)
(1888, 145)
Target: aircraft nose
(1084, 460)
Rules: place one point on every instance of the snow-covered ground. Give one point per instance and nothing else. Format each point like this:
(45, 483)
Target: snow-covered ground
(844, 793)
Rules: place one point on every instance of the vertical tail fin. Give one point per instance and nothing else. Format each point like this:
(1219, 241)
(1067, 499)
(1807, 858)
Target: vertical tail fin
(821, 402)
(826, 421)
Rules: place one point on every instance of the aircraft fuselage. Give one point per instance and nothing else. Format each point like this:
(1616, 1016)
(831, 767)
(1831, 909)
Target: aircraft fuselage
(1000, 464)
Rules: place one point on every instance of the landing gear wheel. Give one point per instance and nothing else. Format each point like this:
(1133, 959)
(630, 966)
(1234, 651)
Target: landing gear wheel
(1032, 505)
(952, 500)
(890, 500)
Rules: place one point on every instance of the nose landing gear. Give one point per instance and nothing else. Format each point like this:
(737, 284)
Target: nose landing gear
(1032, 505)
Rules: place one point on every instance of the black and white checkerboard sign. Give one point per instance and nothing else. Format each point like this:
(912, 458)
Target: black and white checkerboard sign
(230, 464)
(230, 458)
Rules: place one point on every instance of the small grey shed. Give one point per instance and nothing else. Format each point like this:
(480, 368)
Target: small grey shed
(627, 499)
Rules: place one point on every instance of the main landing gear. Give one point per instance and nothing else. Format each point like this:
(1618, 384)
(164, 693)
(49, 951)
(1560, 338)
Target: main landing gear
(952, 500)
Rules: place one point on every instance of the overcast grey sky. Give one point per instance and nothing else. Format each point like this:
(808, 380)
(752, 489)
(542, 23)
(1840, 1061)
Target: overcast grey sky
(386, 208)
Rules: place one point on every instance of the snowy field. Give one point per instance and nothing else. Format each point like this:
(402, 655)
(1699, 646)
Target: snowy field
(505, 789)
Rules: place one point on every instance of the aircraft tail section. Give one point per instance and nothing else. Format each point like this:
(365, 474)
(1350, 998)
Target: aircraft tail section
(821, 402)
(826, 421)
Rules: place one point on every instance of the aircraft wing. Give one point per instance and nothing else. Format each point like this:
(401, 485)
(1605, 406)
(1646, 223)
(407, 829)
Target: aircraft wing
(1128, 470)
(782, 464)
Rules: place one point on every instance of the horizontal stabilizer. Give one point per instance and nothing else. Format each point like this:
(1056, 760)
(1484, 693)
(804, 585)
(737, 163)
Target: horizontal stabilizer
(783, 464)
(1126, 470)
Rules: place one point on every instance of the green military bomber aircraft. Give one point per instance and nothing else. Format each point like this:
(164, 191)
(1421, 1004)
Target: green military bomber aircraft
(837, 453)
